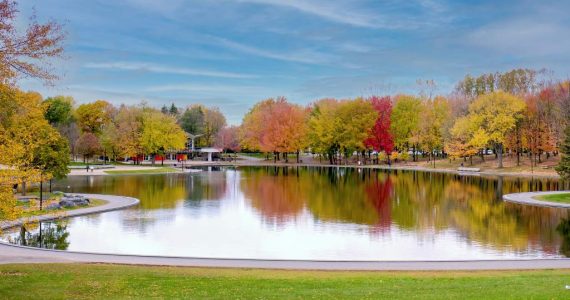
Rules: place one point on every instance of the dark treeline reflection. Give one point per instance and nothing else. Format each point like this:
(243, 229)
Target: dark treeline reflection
(421, 203)
(47, 235)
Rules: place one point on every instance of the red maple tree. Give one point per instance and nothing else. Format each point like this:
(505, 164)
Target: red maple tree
(380, 138)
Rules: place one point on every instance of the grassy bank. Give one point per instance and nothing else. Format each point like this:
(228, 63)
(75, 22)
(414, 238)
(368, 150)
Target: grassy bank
(79, 281)
(560, 198)
(156, 170)
(37, 212)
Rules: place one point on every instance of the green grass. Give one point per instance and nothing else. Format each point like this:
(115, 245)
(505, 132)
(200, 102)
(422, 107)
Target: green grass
(256, 155)
(561, 197)
(93, 203)
(88, 281)
(144, 171)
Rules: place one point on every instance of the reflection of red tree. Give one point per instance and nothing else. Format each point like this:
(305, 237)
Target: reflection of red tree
(278, 199)
(380, 195)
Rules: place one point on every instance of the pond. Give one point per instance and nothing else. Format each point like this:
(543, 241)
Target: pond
(311, 213)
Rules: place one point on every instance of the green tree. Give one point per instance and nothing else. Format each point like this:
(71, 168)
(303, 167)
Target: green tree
(59, 110)
(192, 120)
(563, 167)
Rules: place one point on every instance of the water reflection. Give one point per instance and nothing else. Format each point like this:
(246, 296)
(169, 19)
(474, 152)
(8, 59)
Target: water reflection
(49, 235)
(336, 213)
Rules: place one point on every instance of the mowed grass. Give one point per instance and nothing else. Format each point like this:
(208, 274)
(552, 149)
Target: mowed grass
(561, 197)
(157, 170)
(87, 281)
(37, 212)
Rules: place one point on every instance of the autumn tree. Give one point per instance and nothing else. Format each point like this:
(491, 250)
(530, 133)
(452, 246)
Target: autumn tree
(128, 123)
(405, 122)
(91, 117)
(214, 121)
(517, 82)
(28, 143)
(380, 138)
(340, 127)
(322, 128)
(88, 145)
(228, 139)
(434, 114)
(25, 50)
(492, 117)
(160, 133)
(275, 125)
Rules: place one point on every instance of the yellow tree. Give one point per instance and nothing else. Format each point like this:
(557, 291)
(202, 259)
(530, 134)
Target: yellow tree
(160, 133)
(433, 117)
(92, 117)
(405, 122)
(322, 125)
(353, 123)
(27, 142)
(129, 130)
(493, 116)
(460, 144)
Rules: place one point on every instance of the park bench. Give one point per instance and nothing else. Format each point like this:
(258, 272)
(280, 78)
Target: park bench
(464, 169)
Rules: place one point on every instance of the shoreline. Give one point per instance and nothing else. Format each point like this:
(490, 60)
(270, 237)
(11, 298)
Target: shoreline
(251, 163)
(10, 254)
(528, 199)
(113, 203)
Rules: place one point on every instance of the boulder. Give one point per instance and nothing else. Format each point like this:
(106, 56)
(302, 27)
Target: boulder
(67, 203)
(53, 206)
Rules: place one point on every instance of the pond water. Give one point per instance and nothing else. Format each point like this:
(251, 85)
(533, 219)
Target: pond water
(311, 213)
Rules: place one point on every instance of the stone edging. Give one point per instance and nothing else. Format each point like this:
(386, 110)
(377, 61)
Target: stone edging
(528, 199)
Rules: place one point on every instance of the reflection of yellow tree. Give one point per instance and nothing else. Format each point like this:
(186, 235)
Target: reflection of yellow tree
(154, 191)
(472, 206)
(339, 195)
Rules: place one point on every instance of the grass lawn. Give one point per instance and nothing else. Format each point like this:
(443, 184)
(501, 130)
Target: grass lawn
(31, 213)
(85, 281)
(156, 170)
(256, 155)
(561, 197)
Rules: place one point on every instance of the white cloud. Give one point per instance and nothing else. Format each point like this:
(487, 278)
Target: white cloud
(324, 10)
(146, 67)
(303, 56)
(523, 36)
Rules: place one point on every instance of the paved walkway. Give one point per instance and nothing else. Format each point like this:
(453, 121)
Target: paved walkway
(18, 254)
(528, 199)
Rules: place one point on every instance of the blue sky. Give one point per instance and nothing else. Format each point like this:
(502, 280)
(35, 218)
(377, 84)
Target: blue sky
(233, 53)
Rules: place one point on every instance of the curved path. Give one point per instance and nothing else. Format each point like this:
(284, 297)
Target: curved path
(18, 254)
(528, 199)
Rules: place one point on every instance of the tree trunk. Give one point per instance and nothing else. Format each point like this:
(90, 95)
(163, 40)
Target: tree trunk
(499, 153)
(23, 188)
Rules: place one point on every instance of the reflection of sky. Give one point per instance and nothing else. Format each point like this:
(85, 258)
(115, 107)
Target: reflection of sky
(232, 228)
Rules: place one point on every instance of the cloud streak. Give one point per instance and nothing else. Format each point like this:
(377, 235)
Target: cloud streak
(307, 56)
(154, 68)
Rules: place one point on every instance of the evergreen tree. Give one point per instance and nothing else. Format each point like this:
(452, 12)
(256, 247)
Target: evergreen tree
(563, 167)
(173, 110)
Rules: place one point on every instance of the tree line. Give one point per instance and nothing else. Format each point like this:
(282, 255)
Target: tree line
(514, 113)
